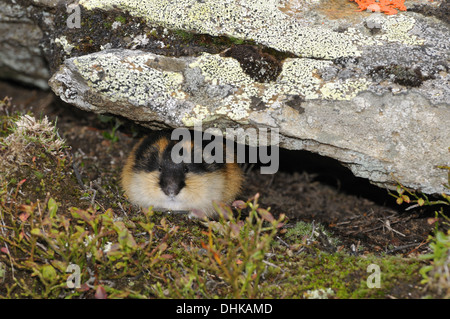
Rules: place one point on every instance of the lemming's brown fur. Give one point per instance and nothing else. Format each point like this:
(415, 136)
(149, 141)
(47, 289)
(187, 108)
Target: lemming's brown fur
(201, 188)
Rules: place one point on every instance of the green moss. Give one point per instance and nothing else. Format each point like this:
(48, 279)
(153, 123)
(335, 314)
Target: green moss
(121, 19)
(184, 35)
(345, 275)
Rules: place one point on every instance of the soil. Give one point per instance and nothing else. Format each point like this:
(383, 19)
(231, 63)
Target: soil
(307, 187)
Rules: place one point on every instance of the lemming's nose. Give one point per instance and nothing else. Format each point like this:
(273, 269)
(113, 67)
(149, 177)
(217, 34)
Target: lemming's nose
(171, 189)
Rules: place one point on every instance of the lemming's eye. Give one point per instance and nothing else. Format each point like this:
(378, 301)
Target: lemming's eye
(160, 168)
(186, 168)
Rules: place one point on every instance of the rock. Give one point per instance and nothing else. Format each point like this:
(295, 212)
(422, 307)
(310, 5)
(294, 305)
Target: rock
(367, 89)
(378, 136)
(20, 56)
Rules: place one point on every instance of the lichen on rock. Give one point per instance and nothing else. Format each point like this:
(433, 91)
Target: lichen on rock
(129, 78)
(261, 21)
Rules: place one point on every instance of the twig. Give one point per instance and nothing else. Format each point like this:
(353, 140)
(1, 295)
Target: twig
(272, 178)
(78, 176)
(312, 232)
(420, 245)
(7, 248)
(387, 223)
(98, 187)
(401, 248)
(273, 265)
(283, 242)
(93, 197)
(121, 208)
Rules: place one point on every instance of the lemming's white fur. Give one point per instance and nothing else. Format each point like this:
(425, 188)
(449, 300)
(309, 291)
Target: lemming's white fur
(143, 189)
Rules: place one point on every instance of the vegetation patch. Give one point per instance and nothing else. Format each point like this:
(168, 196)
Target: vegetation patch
(59, 240)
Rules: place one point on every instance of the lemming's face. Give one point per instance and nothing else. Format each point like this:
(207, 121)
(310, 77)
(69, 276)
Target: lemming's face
(160, 182)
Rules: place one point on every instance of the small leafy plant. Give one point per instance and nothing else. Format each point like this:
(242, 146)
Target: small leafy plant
(44, 241)
(114, 123)
(436, 274)
(231, 257)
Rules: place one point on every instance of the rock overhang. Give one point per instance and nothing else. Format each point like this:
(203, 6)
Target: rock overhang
(344, 92)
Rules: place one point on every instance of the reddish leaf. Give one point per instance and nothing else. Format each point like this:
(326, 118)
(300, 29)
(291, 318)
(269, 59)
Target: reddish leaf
(266, 215)
(100, 293)
(239, 204)
(84, 287)
(406, 199)
(281, 225)
(235, 230)
(24, 216)
(223, 210)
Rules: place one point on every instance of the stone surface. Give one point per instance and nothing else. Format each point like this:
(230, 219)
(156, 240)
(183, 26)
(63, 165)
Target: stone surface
(20, 55)
(367, 89)
(378, 136)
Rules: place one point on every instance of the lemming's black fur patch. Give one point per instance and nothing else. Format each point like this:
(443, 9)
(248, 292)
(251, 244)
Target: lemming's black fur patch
(149, 159)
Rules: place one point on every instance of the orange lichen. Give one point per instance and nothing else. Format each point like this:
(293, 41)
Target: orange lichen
(386, 6)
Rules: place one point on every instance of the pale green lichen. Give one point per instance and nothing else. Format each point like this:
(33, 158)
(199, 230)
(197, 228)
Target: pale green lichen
(198, 115)
(64, 43)
(137, 78)
(396, 30)
(129, 79)
(319, 293)
(258, 20)
(238, 111)
(219, 70)
(298, 77)
(343, 90)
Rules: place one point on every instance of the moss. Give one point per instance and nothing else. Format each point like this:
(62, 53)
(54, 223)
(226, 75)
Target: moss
(98, 28)
(184, 35)
(344, 276)
(121, 19)
(260, 66)
(399, 74)
(33, 156)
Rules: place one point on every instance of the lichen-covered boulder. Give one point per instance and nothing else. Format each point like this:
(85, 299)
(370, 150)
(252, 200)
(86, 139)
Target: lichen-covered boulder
(368, 89)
